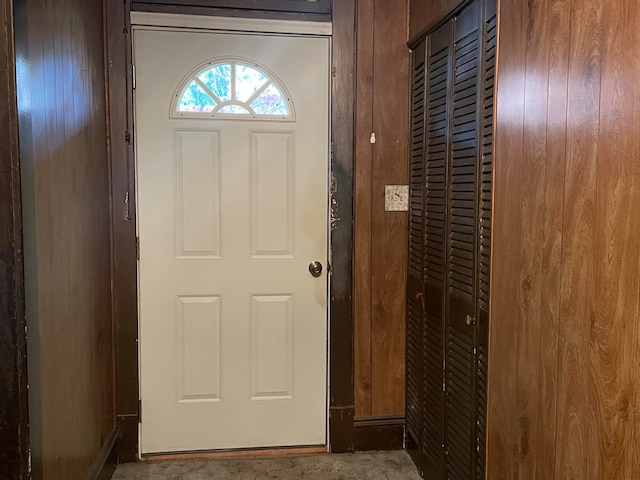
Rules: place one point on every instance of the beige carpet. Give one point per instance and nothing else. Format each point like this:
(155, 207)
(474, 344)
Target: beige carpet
(360, 466)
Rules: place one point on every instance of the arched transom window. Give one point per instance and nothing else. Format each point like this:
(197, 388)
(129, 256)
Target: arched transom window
(232, 89)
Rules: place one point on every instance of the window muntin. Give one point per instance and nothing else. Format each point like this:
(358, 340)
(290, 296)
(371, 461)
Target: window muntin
(232, 89)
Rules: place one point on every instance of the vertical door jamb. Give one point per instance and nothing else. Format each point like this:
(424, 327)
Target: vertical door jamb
(14, 426)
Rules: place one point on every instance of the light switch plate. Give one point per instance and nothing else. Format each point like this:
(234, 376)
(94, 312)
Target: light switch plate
(396, 198)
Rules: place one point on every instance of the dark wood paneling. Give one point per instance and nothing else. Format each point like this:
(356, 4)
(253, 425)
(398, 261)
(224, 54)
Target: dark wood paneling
(342, 167)
(381, 433)
(363, 234)
(391, 64)
(566, 264)
(67, 233)
(380, 259)
(14, 420)
(425, 14)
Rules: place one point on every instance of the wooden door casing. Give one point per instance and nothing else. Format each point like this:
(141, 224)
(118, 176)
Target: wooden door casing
(343, 15)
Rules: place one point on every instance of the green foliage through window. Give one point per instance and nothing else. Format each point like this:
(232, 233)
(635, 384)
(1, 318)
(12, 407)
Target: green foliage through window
(233, 89)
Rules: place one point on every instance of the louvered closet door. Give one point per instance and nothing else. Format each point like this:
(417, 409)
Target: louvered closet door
(462, 239)
(455, 205)
(415, 283)
(439, 64)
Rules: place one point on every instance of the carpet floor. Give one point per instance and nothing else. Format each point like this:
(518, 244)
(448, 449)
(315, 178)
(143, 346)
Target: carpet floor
(359, 466)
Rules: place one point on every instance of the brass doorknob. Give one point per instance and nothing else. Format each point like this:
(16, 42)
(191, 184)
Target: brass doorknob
(315, 268)
(471, 320)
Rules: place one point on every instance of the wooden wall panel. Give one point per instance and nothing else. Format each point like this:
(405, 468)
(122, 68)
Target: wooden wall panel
(575, 425)
(14, 418)
(389, 255)
(532, 211)
(67, 234)
(614, 354)
(567, 228)
(425, 14)
(547, 374)
(502, 422)
(380, 254)
(362, 294)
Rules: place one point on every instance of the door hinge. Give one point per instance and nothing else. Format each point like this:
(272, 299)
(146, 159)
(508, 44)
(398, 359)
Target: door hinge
(127, 138)
(133, 75)
(137, 248)
(126, 214)
(139, 411)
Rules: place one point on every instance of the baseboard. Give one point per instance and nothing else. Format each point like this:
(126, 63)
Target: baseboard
(379, 433)
(105, 464)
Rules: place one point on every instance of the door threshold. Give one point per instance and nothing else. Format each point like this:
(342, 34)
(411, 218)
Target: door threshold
(235, 453)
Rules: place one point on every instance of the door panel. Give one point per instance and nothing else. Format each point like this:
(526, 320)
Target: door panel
(415, 283)
(233, 327)
(484, 230)
(461, 253)
(437, 159)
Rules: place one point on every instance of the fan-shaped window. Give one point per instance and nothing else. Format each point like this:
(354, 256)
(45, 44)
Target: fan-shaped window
(232, 89)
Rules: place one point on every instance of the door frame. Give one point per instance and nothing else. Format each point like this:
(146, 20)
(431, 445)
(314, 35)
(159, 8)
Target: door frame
(290, 29)
(340, 308)
(15, 438)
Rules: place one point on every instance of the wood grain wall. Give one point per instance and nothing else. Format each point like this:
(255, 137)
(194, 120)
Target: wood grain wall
(564, 354)
(14, 421)
(425, 14)
(61, 84)
(382, 105)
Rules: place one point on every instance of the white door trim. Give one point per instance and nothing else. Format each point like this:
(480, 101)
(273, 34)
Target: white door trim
(230, 24)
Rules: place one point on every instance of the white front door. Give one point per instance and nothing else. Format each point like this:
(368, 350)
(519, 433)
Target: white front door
(232, 209)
